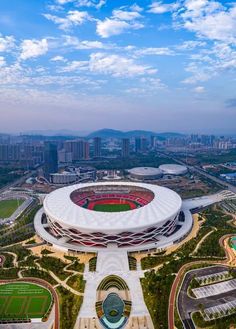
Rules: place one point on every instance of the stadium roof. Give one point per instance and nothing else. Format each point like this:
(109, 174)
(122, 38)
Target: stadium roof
(173, 169)
(145, 171)
(59, 206)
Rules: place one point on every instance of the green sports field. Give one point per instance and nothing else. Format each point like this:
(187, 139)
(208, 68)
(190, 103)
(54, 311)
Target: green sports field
(111, 207)
(22, 300)
(8, 207)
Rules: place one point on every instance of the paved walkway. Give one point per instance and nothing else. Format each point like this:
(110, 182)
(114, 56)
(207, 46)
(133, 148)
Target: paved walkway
(114, 262)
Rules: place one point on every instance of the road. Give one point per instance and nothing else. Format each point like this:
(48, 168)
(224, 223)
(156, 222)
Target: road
(230, 187)
(200, 171)
(19, 181)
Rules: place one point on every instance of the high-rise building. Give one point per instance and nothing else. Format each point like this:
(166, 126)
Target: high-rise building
(50, 159)
(97, 144)
(144, 144)
(125, 147)
(153, 142)
(137, 144)
(4, 152)
(86, 151)
(79, 149)
(141, 144)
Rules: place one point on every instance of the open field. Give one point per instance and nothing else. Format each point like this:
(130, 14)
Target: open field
(8, 207)
(23, 301)
(111, 207)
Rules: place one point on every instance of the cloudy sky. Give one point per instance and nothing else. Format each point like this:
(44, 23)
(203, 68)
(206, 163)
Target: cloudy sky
(124, 64)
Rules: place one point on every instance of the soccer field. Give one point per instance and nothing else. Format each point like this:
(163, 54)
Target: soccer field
(22, 300)
(8, 207)
(111, 207)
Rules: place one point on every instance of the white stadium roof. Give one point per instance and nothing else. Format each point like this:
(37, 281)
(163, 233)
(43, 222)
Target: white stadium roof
(145, 171)
(173, 169)
(59, 207)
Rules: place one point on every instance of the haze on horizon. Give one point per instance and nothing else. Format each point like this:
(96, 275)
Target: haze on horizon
(84, 65)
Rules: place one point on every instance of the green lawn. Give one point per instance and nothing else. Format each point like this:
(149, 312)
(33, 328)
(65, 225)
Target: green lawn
(22, 300)
(111, 207)
(8, 207)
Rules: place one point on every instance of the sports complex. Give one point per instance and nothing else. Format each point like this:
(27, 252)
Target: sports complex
(132, 216)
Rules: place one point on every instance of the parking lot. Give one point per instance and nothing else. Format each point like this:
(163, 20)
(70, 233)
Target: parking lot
(215, 289)
(218, 295)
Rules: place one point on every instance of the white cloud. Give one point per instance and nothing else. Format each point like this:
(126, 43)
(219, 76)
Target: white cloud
(6, 43)
(114, 65)
(91, 3)
(146, 86)
(84, 3)
(33, 48)
(2, 61)
(199, 90)
(75, 66)
(136, 7)
(199, 73)
(125, 15)
(191, 44)
(110, 27)
(58, 59)
(73, 18)
(160, 8)
(117, 66)
(209, 19)
(63, 2)
(162, 51)
(84, 44)
(120, 21)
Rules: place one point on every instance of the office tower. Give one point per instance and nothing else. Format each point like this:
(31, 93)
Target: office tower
(125, 147)
(50, 159)
(79, 149)
(144, 144)
(137, 144)
(153, 142)
(97, 146)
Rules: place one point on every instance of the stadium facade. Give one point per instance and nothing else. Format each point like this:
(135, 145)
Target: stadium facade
(132, 216)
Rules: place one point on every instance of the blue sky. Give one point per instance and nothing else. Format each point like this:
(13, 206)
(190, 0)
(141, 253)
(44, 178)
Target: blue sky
(89, 64)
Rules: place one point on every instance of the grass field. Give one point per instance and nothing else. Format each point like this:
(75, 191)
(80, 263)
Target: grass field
(22, 300)
(111, 207)
(8, 207)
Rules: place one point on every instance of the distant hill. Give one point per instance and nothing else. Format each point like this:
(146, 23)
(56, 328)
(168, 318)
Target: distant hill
(111, 133)
(102, 133)
(63, 132)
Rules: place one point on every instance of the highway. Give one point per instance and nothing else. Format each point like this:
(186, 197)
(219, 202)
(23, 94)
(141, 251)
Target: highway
(18, 181)
(200, 171)
(230, 187)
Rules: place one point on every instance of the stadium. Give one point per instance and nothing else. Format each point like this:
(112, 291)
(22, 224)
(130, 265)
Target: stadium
(101, 215)
(145, 173)
(173, 169)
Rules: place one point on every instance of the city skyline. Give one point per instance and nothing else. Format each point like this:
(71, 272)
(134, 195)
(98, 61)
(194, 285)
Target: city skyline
(86, 65)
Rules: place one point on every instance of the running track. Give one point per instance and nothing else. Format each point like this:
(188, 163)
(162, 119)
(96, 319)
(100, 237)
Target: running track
(49, 287)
